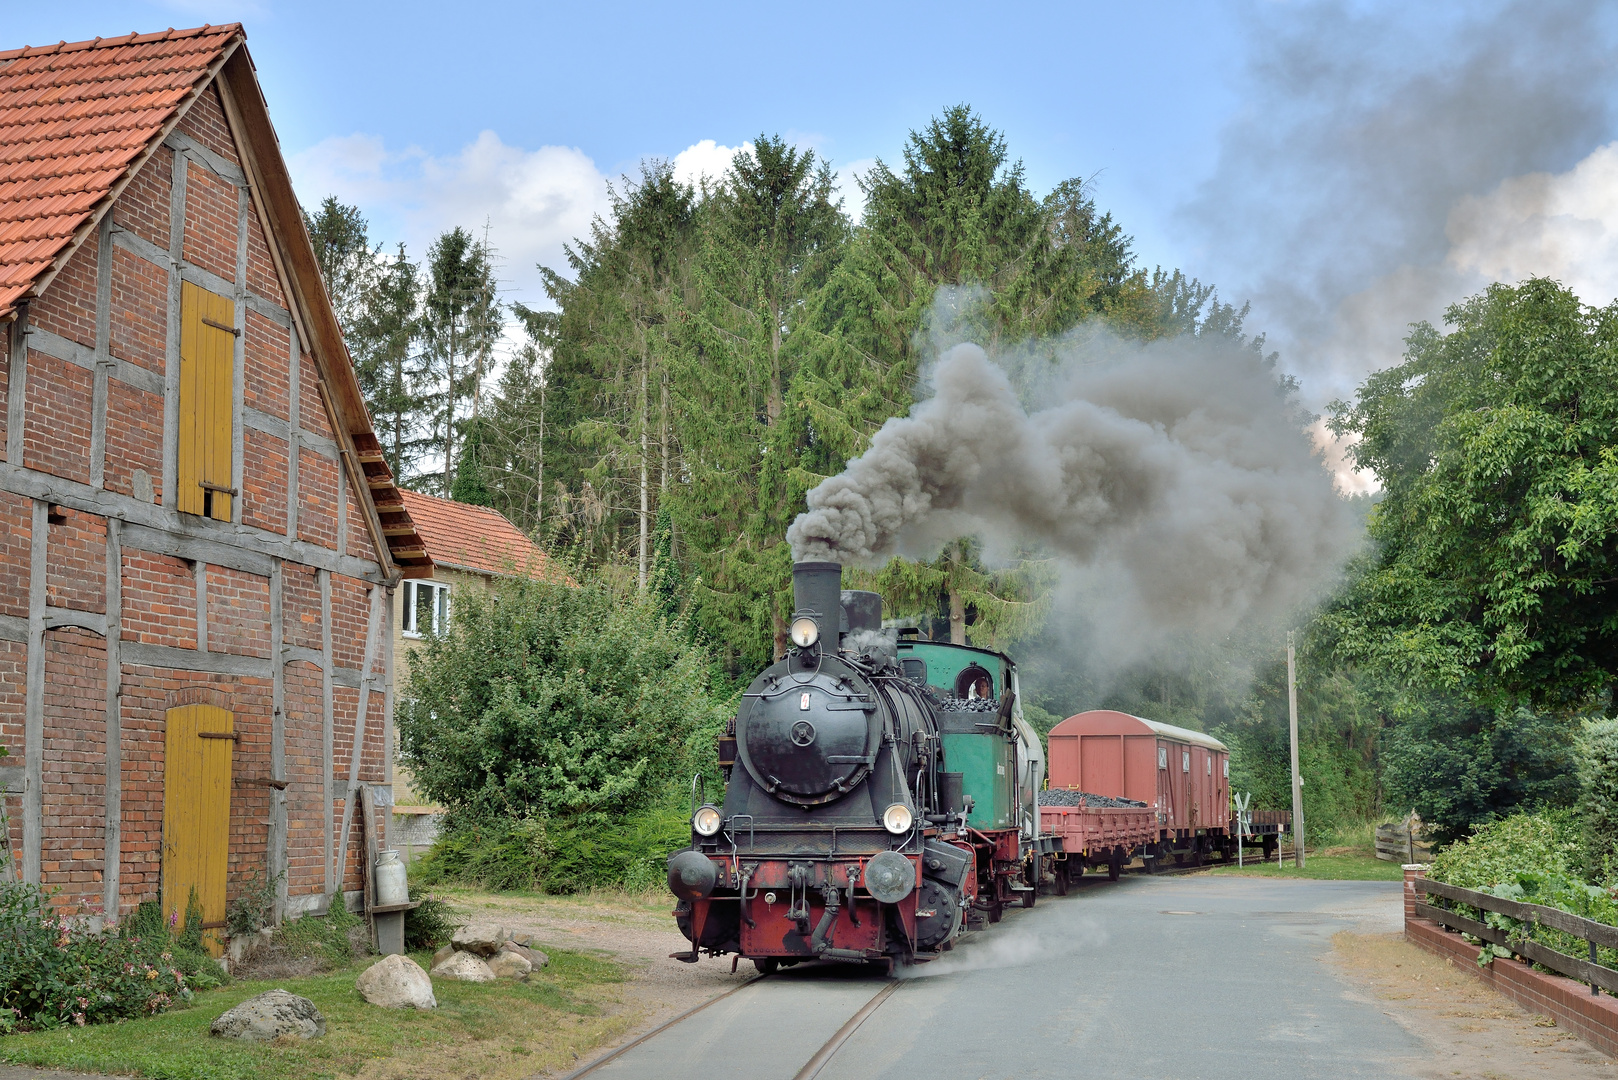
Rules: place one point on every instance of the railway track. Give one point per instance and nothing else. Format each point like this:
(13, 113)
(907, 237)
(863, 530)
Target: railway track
(810, 1069)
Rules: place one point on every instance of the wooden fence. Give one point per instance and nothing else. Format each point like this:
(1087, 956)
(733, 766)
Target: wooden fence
(1401, 843)
(1521, 941)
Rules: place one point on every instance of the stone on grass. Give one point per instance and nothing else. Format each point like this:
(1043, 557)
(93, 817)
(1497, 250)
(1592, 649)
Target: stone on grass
(397, 982)
(269, 1016)
(483, 938)
(463, 967)
(443, 954)
(535, 958)
(509, 965)
(521, 937)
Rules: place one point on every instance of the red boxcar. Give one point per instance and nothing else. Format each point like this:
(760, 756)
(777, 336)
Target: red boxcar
(1181, 774)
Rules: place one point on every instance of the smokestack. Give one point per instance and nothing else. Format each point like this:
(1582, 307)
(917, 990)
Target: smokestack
(817, 587)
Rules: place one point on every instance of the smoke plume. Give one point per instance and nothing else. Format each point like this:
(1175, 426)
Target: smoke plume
(1177, 473)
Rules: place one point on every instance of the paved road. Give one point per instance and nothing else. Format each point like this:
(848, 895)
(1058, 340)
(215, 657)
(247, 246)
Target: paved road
(1189, 978)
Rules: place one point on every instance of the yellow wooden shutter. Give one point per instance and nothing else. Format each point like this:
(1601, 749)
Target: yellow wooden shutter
(196, 815)
(207, 421)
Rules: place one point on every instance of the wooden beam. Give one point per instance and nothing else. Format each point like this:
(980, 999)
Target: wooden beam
(238, 388)
(103, 357)
(141, 654)
(326, 729)
(112, 842)
(16, 385)
(277, 868)
(387, 706)
(171, 345)
(367, 675)
(33, 807)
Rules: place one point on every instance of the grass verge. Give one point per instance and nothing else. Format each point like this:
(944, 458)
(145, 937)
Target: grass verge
(1332, 865)
(496, 1030)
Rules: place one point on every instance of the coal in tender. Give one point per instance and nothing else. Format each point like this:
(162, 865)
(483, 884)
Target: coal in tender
(959, 704)
(1064, 797)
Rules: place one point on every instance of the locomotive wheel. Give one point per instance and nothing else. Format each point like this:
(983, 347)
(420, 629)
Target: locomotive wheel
(766, 965)
(995, 909)
(1061, 879)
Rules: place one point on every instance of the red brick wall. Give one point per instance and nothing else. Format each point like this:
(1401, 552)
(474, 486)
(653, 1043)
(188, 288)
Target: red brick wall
(143, 208)
(68, 307)
(300, 606)
(206, 123)
(261, 274)
(238, 612)
(160, 600)
(56, 426)
(266, 347)
(311, 409)
(306, 873)
(134, 439)
(76, 562)
(264, 481)
(317, 498)
(210, 222)
(73, 780)
(16, 523)
(5, 386)
(139, 318)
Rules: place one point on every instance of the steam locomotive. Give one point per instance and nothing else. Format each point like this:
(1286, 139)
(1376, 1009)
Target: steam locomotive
(880, 796)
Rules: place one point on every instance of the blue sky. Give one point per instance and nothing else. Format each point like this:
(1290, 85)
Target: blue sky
(1346, 167)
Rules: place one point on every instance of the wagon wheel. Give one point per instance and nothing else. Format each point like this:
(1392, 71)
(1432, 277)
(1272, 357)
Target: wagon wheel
(995, 908)
(1115, 864)
(766, 965)
(1061, 879)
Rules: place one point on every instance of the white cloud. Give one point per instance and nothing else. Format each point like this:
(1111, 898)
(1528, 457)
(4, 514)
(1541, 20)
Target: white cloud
(706, 160)
(533, 201)
(1563, 226)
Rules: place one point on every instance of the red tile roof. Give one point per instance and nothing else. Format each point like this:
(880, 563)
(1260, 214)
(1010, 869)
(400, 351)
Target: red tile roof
(477, 538)
(73, 119)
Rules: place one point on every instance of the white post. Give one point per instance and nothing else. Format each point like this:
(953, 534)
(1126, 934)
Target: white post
(1297, 780)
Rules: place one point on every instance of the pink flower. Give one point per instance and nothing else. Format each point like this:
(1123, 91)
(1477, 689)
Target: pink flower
(78, 1018)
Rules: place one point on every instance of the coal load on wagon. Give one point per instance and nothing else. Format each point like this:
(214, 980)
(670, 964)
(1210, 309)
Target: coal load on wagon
(1064, 797)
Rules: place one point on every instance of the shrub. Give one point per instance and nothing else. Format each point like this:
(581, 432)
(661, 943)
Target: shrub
(55, 971)
(254, 907)
(432, 924)
(560, 702)
(1547, 844)
(558, 855)
(1598, 799)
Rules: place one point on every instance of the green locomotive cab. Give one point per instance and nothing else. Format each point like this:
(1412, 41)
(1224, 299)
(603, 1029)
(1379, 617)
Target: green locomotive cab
(998, 756)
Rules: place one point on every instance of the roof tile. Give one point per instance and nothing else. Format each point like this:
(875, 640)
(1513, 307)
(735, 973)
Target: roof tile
(73, 116)
(473, 537)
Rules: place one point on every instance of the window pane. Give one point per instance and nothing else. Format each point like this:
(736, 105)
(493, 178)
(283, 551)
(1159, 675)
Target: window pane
(407, 600)
(441, 619)
(424, 608)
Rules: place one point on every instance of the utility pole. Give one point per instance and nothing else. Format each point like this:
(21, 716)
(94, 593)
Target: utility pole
(1297, 780)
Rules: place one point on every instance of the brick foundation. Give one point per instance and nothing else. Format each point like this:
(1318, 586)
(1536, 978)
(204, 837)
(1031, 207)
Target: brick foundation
(1570, 1003)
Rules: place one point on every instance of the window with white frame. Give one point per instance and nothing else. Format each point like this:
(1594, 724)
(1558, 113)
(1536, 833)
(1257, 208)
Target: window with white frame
(424, 608)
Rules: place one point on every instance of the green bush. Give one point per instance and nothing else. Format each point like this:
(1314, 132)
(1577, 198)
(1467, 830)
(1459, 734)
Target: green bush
(557, 855)
(556, 701)
(1598, 799)
(1547, 844)
(432, 924)
(55, 971)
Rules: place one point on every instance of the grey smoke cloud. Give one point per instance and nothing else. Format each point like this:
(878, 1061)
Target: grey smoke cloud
(1360, 132)
(1175, 472)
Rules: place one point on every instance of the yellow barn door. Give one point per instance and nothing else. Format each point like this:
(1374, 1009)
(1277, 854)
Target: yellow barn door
(196, 815)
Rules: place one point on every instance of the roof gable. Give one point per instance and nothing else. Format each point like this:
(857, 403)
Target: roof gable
(476, 538)
(76, 122)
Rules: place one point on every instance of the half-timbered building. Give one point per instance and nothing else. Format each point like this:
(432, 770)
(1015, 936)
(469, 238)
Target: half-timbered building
(199, 540)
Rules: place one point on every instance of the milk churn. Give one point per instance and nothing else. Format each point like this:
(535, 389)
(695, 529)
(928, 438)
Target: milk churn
(390, 880)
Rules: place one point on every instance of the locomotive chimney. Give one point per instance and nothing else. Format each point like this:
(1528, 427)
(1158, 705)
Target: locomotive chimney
(818, 587)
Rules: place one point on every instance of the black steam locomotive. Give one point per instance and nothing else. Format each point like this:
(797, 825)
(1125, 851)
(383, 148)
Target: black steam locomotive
(839, 836)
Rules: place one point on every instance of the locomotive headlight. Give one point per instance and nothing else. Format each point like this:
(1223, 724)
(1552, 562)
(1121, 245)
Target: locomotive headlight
(897, 818)
(706, 821)
(805, 632)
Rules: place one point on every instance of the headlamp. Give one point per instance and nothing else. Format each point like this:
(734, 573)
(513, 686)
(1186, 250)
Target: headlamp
(706, 821)
(805, 632)
(897, 818)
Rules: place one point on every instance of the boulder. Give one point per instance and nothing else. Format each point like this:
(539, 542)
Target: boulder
(482, 938)
(535, 958)
(271, 1015)
(443, 954)
(396, 982)
(521, 937)
(508, 965)
(463, 967)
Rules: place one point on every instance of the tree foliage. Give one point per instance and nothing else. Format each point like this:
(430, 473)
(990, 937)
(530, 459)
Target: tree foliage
(1497, 568)
(555, 701)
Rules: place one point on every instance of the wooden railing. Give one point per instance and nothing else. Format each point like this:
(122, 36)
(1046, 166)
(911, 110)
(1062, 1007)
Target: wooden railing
(1521, 941)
